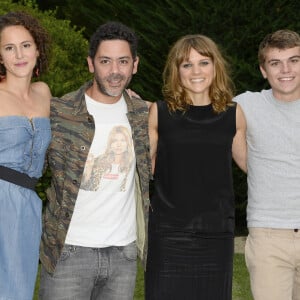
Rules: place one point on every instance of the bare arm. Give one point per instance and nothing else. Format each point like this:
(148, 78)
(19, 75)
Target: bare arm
(41, 92)
(132, 94)
(239, 146)
(153, 133)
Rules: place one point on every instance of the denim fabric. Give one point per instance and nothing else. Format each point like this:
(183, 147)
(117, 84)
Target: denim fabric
(23, 144)
(84, 273)
(20, 232)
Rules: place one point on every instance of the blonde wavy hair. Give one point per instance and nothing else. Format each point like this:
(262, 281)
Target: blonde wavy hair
(221, 89)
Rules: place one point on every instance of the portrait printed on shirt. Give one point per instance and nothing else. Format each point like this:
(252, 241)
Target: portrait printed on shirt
(111, 167)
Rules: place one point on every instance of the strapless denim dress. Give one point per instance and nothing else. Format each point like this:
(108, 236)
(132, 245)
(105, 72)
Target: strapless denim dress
(23, 145)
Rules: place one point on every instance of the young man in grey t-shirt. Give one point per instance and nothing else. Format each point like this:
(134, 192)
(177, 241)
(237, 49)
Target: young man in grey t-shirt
(273, 149)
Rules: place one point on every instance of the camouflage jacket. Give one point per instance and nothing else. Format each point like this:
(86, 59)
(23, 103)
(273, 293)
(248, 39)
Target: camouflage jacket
(72, 134)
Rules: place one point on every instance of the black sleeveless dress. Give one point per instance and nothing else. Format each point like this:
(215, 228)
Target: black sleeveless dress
(191, 225)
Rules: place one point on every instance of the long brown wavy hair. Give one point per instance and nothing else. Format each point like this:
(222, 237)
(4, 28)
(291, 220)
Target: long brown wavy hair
(221, 89)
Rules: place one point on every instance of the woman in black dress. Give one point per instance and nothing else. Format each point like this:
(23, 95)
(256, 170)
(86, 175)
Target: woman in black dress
(193, 135)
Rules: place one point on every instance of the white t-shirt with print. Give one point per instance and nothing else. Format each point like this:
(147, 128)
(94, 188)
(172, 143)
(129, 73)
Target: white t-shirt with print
(104, 213)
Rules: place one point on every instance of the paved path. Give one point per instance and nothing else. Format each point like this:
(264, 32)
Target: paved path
(239, 244)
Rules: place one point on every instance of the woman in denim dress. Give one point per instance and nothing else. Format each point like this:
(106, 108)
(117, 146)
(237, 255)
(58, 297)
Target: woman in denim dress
(24, 137)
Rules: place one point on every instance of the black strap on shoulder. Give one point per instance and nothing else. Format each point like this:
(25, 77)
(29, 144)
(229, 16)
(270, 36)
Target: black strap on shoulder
(18, 178)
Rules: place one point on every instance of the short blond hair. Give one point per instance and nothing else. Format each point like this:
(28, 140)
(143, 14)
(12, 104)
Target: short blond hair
(280, 39)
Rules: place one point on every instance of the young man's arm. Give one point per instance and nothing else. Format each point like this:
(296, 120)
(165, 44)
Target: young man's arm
(239, 146)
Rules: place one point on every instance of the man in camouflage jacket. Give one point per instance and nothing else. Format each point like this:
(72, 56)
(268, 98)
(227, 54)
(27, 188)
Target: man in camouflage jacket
(73, 130)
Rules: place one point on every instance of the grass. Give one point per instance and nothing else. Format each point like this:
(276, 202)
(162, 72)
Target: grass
(241, 281)
(241, 285)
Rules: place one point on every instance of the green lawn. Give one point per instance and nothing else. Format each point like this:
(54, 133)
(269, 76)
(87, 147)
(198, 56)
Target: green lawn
(241, 283)
(241, 286)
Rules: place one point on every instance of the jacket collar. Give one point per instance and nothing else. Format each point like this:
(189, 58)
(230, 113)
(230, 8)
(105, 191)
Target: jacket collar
(80, 104)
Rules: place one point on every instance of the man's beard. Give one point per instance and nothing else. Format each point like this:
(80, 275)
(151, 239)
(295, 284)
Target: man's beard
(112, 93)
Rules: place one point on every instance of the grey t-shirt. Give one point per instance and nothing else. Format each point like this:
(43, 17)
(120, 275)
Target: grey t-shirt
(273, 139)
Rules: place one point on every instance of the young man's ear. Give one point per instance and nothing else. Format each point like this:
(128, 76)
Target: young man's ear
(263, 71)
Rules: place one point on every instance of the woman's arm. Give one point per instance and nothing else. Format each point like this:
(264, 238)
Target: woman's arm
(153, 133)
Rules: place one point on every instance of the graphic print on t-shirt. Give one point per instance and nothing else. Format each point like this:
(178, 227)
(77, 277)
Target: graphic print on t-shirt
(111, 167)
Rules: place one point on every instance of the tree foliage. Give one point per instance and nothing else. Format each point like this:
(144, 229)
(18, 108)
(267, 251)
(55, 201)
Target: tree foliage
(237, 26)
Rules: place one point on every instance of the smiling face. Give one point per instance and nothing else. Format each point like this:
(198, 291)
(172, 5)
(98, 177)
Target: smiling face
(18, 51)
(113, 67)
(196, 75)
(282, 69)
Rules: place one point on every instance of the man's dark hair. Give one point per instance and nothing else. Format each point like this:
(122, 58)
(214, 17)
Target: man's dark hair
(113, 31)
